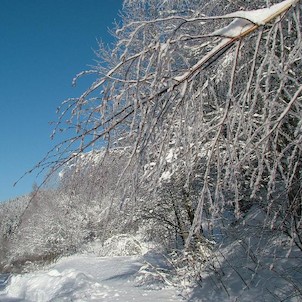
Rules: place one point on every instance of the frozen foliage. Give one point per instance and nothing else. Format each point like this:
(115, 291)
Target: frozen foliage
(10, 217)
(10, 213)
(52, 225)
(160, 92)
(121, 245)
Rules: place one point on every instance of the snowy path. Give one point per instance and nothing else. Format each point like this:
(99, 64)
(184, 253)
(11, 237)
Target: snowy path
(85, 278)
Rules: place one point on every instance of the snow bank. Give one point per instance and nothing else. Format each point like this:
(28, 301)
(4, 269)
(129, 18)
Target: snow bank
(68, 285)
(85, 278)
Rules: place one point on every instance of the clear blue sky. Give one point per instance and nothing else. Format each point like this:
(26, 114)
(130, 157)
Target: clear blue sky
(43, 45)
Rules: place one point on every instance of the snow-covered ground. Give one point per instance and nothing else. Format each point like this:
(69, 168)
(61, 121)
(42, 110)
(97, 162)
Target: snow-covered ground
(252, 263)
(85, 278)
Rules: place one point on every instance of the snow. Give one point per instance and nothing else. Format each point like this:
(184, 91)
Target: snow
(244, 20)
(244, 23)
(85, 278)
(171, 156)
(166, 176)
(235, 28)
(261, 16)
(252, 264)
(255, 265)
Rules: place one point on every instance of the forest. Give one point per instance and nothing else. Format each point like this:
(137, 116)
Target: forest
(189, 139)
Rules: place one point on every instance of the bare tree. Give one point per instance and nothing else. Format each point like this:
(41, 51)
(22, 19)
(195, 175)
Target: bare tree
(182, 90)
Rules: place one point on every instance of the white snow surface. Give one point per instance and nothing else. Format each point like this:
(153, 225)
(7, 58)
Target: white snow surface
(85, 278)
(253, 263)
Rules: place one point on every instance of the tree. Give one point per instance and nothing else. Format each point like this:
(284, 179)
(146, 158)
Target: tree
(180, 93)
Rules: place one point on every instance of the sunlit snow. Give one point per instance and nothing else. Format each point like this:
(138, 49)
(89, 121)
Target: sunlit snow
(85, 278)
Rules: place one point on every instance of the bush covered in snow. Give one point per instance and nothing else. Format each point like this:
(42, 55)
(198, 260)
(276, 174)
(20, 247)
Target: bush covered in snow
(121, 245)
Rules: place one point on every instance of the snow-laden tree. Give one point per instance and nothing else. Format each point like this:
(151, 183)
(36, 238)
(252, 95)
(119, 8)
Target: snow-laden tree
(54, 223)
(200, 88)
(10, 215)
(92, 179)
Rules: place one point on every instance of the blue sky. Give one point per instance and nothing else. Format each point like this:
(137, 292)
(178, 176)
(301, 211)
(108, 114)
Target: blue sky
(44, 44)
